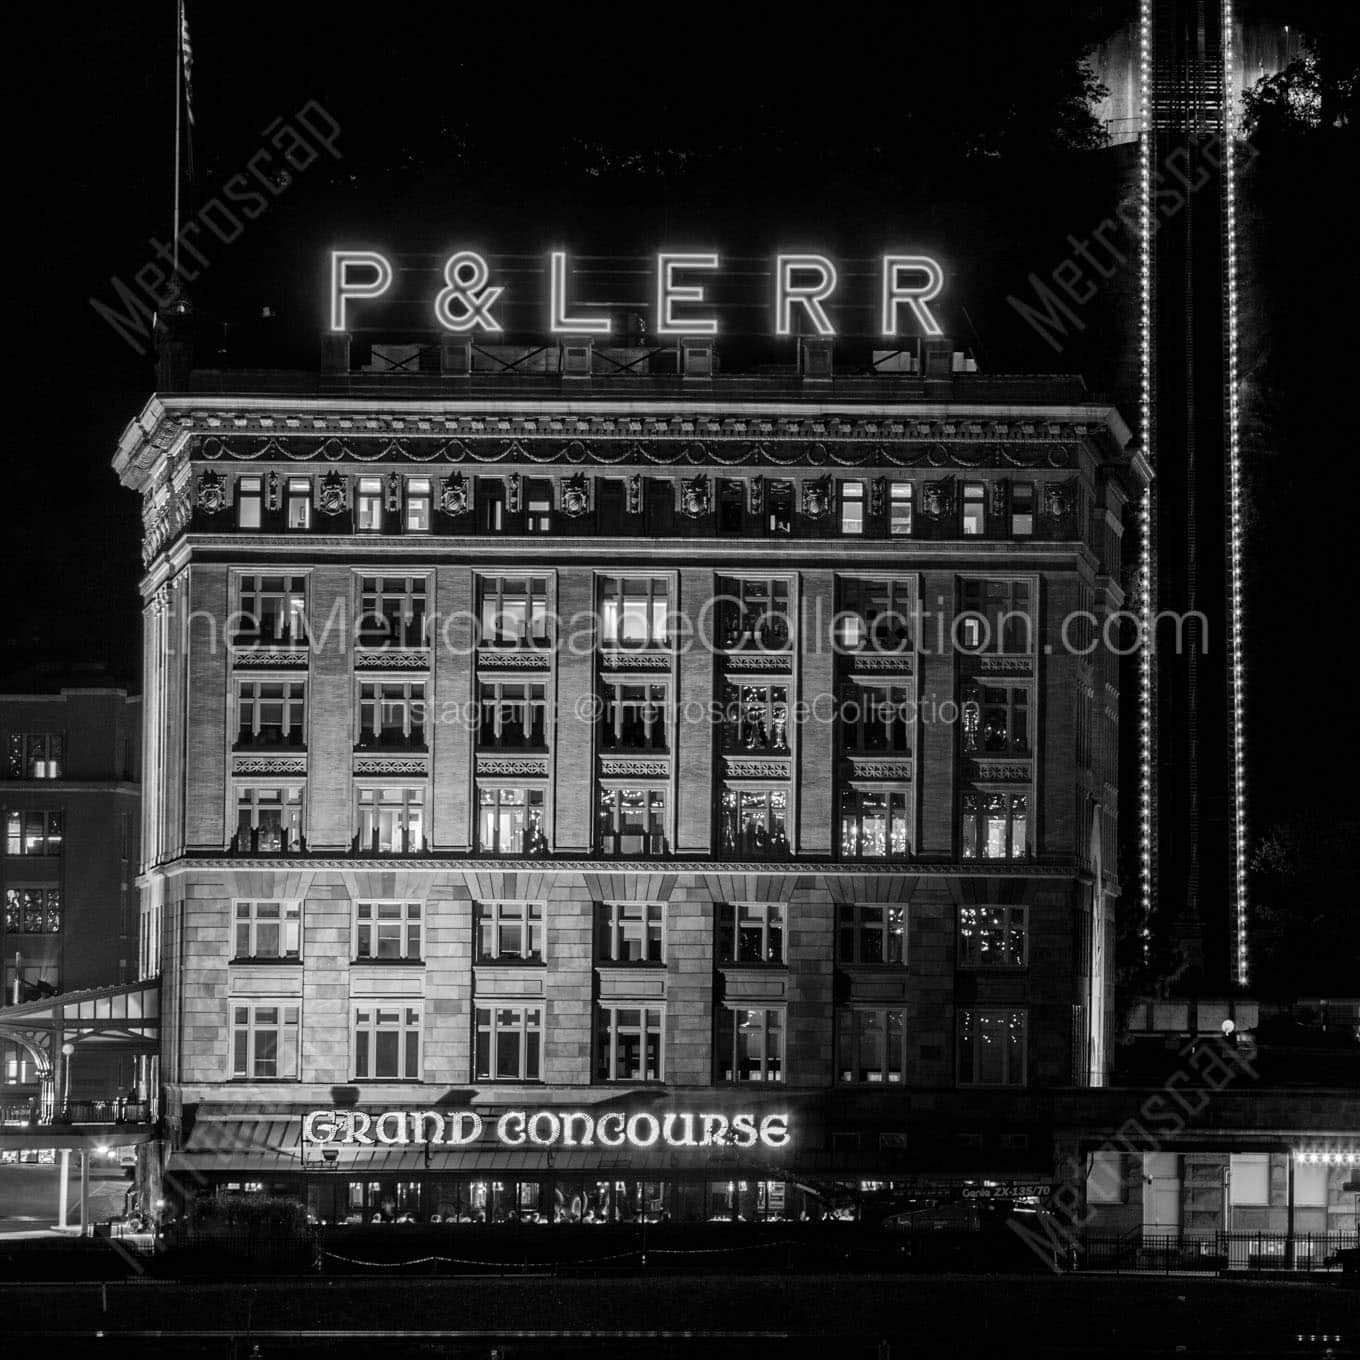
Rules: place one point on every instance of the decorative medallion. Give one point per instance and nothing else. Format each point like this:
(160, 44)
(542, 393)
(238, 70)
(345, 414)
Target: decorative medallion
(635, 494)
(937, 499)
(576, 496)
(817, 498)
(453, 495)
(878, 496)
(513, 486)
(757, 494)
(1059, 501)
(393, 492)
(212, 493)
(334, 496)
(694, 497)
(273, 491)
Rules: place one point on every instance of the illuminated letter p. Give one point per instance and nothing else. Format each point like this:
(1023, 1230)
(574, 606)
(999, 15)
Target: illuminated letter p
(343, 287)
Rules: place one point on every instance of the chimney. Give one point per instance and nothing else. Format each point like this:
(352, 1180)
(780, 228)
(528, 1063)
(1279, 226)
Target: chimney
(815, 357)
(698, 357)
(335, 351)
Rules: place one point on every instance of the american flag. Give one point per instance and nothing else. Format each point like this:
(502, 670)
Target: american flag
(186, 53)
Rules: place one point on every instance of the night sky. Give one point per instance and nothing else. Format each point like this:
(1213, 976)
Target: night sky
(957, 125)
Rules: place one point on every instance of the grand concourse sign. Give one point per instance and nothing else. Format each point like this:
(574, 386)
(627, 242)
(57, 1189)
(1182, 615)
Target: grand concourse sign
(544, 1128)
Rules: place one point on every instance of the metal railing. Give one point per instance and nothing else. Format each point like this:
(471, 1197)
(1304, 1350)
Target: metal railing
(1247, 1251)
(28, 1112)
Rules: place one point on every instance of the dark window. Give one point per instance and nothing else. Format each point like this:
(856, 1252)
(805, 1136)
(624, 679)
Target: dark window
(779, 502)
(731, 498)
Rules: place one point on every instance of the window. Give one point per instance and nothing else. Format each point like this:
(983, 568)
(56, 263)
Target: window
(750, 932)
(630, 932)
(874, 823)
(634, 717)
(628, 1043)
(1105, 1177)
(632, 821)
(510, 932)
(511, 716)
(418, 505)
(264, 1041)
(387, 930)
(1249, 1179)
(991, 1047)
(514, 611)
(299, 503)
(869, 1045)
(391, 821)
(869, 933)
(509, 1043)
(538, 506)
(33, 831)
(272, 609)
(995, 719)
(779, 499)
(268, 819)
(755, 718)
(634, 610)
(268, 930)
(876, 719)
(995, 617)
(1022, 509)
(751, 1044)
(32, 911)
(753, 613)
(993, 937)
(974, 508)
(899, 509)
(34, 755)
(875, 615)
(270, 713)
(995, 825)
(852, 507)
(392, 611)
(755, 823)
(249, 502)
(391, 714)
(368, 506)
(20, 1068)
(491, 503)
(510, 821)
(387, 1042)
(731, 506)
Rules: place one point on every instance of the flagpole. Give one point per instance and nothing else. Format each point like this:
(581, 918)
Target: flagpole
(179, 106)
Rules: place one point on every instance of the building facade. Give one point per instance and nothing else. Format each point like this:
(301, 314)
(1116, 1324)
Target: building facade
(575, 796)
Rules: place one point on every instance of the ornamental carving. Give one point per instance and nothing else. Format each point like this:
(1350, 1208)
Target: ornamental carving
(273, 491)
(1005, 665)
(412, 765)
(634, 505)
(998, 497)
(636, 661)
(739, 768)
(880, 769)
(576, 496)
(334, 496)
(937, 500)
(988, 773)
(393, 492)
(1060, 500)
(757, 661)
(756, 488)
(694, 497)
(375, 659)
(488, 660)
(453, 495)
(272, 658)
(878, 496)
(506, 765)
(817, 498)
(514, 485)
(269, 765)
(895, 662)
(622, 766)
(212, 493)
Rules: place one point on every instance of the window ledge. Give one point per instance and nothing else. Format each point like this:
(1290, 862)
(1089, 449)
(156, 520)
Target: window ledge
(652, 965)
(265, 960)
(387, 963)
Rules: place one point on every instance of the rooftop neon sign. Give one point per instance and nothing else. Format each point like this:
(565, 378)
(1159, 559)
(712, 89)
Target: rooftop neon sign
(802, 288)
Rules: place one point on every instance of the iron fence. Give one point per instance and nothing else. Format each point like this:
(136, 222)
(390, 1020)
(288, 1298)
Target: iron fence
(1210, 1252)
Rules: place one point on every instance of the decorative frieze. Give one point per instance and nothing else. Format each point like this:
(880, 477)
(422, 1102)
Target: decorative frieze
(271, 658)
(418, 766)
(628, 766)
(999, 772)
(1005, 665)
(660, 662)
(268, 765)
(763, 663)
(379, 659)
(867, 767)
(744, 767)
(535, 767)
(489, 660)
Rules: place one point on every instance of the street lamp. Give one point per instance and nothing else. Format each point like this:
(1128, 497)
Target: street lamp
(68, 1052)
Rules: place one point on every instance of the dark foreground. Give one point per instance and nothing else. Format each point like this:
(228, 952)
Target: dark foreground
(675, 1316)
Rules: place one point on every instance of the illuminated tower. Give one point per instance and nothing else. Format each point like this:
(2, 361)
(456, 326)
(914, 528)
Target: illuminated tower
(1193, 813)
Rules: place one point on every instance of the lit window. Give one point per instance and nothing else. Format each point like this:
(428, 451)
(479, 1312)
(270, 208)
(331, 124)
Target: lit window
(272, 609)
(1022, 509)
(753, 613)
(995, 616)
(32, 911)
(630, 932)
(20, 1067)
(995, 825)
(869, 1045)
(874, 823)
(992, 937)
(249, 502)
(511, 716)
(268, 930)
(628, 1043)
(750, 932)
(391, 821)
(634, 717)
(899, 509)
(995, 719)
(391, 714)
(510, 932)
(634, 611)
(392, 611)
(974, 510)
(368, 506)
(33, 831)
(751, 1044)
(299, 503)
(991, 1047)
(491, 502)
(779, 500)
(875, 615)
(754, 823)
(387, 930)
(270, 713)
(755, 718)
(264, 1041)
(852, 507)
(34, 755)
(510, 821)
(509, 1043)
(870, 933)
(387, 1042)
(417, 505)
(514, 611)
(632, 821)
(268, 819)
(538, 506)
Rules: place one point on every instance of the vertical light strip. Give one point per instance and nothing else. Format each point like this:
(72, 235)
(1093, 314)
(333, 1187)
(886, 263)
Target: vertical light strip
(1233, 412)
(1146, 739)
